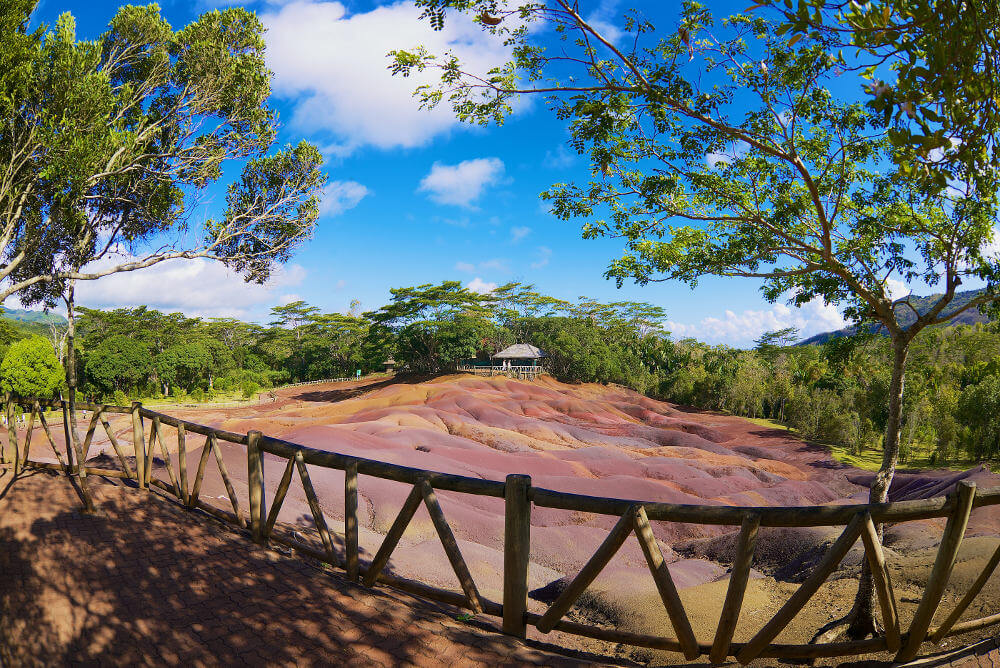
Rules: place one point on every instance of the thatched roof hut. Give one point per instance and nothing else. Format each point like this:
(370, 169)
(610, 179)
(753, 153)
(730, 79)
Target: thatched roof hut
(520, 351)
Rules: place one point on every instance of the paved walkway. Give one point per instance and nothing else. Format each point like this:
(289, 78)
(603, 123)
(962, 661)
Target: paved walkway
(146, 582)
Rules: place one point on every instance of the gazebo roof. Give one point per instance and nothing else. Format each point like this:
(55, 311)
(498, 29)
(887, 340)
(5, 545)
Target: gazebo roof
(521, 351)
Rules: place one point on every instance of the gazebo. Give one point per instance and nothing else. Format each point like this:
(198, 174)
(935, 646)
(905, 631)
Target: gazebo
(521, 354)
(521, 360)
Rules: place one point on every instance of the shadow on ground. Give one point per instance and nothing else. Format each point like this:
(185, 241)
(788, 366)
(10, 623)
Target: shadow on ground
(144, 581)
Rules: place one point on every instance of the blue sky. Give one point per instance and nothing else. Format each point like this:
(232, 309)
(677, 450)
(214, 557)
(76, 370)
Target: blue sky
(414, 196)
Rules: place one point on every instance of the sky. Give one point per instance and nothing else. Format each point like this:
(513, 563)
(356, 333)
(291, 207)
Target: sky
(414, 196)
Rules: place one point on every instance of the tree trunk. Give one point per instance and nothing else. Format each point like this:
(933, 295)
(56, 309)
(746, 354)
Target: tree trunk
(71, 383)
(863, 622)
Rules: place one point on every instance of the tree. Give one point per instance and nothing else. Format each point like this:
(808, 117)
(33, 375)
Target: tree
(721, 149)
(30, 369)
(941, 60)
(110, 140)
(117, 363)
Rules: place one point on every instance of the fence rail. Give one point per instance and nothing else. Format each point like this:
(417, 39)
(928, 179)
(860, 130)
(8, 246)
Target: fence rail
(258, 515)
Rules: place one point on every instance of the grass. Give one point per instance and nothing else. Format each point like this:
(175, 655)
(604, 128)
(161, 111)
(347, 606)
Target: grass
(870, 459)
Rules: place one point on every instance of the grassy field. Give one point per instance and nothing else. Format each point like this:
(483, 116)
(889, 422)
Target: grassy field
(870, 459)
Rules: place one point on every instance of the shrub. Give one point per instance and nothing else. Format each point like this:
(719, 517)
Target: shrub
(120, 398)
(250, 388)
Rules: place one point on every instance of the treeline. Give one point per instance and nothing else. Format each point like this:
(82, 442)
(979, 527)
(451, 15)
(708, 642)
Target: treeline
(426, 329)
(838, 392)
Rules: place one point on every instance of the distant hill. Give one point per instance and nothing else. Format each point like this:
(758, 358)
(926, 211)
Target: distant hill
(37, 317)
(907, 317)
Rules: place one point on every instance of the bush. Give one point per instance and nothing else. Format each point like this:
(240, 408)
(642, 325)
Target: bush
(250, 388)
(120, 398)
(198, 394)
(30, 369)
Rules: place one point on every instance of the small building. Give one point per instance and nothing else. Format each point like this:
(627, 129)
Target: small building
(520, 354)
(389, 366)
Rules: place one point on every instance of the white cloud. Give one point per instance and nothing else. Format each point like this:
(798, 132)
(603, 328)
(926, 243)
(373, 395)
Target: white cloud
(199, 287)
(544, 255)
(896, 289)
(461, 184)
(334, 64)
(479, 285)
(740, 329)
(518, 233)
(339, 196)
(467, 267)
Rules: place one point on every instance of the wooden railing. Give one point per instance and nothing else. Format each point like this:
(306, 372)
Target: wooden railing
(519, 495)
(523, 372)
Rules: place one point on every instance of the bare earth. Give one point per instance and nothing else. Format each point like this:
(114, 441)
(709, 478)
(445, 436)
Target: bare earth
(603, 441)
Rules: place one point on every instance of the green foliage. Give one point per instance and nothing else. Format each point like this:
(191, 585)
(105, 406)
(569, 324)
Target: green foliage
(117, 363)
(30, 369)
(121, 134)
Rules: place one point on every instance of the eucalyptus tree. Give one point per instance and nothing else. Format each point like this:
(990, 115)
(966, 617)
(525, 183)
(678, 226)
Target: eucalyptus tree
(721, 147)
(108, 143)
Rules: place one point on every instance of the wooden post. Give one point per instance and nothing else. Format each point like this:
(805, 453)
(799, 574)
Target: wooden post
(883, 584)
(14, 450)
(395, 532)
(255, 479)
(738, 578)
(951, 540)
(665, 585)
(139, 446)
(3, 445)
(351, 519)
(516, 553)
(182, 464)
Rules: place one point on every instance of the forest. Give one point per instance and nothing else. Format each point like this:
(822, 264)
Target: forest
(833, 392)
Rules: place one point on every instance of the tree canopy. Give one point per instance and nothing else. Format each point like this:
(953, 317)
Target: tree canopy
(30, 369)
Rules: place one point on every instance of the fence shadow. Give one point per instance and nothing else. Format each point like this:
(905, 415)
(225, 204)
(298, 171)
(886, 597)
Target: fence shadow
(145, 580)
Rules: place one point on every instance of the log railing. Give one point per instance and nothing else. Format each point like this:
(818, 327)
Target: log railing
(519, 495)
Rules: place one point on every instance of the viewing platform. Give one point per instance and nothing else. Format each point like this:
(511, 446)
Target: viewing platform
(519, 372)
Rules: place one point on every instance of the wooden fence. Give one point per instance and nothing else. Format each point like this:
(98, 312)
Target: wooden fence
(519, 372)
(258, 516)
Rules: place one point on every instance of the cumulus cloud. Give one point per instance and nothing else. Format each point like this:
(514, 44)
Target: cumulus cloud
(740, 329)
(896, 289)
(198, 288)
(462, 184)
(544, 255)
(334, 64)
(479, 285)
(339, 196)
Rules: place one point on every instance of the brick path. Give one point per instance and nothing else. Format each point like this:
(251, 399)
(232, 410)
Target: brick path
(147, 582)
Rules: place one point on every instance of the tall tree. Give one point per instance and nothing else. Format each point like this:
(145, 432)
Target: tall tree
(720, 148)
(112, 139)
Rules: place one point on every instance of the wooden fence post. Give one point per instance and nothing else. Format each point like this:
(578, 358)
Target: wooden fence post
(516, 553)
(13, 450)
(138, 445)
(255, 480)
(951, 540)
(351, 519)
